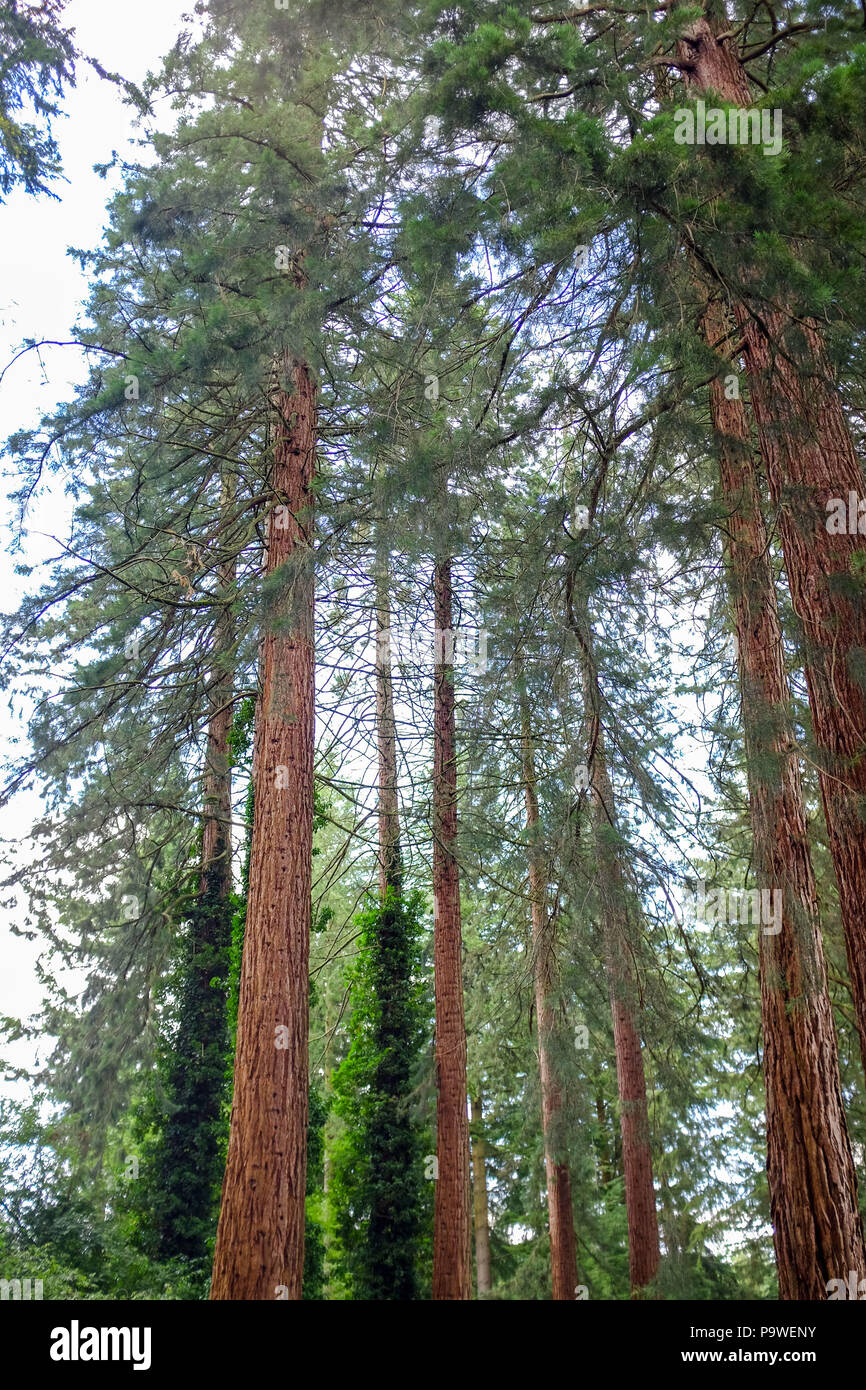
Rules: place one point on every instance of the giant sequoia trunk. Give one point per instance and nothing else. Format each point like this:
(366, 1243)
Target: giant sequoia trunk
(452, 1237)
(260, 1241)
(483, 1282)
(618, 946)
(563, 1247)
(809, 458)
(813, 1187)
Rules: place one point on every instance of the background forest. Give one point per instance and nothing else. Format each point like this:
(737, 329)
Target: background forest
(446, 700)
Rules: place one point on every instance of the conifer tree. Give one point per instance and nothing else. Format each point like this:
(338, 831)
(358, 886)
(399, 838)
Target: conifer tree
(563, 1247)
(810, 459)
(805, 1154)
(377, 1174)
(621, 975)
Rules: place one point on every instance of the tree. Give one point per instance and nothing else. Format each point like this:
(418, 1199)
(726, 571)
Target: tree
(563, 1247)
(377, 1177)
(618, 934)
(810, 459)
(808, 1149)
(452, 1240)
(260, 1241)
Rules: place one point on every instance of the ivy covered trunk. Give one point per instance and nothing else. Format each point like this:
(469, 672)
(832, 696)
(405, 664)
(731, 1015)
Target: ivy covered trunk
(188, 1156)
(393, 1231)
(817, 1230)
(260, 1241)
(452, 1236)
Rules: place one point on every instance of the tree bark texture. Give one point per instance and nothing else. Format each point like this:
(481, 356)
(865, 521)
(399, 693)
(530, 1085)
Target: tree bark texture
(817, 1230)
(452, 1235)
(809, 458)
(260, 1241)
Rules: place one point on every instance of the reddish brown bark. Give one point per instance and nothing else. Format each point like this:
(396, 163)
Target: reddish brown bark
(817, 1230)
(809, 458)
(618, 936)
(483, 1283)
(260, 1241)
(563, 1246)
(452, 1237)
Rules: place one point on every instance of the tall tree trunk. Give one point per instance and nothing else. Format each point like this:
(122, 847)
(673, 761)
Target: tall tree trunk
(216, 875)
(452, 1237)
(483, 1282)
(817, 1230)
(563, 1246)
(390, 858)
(605, 1167)
(260, 1241)
(189, 1158)
(809, 458)
(393, 1229)
(617, 934)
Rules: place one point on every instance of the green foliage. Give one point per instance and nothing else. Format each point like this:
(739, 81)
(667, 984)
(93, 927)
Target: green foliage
(377, 1190)
(38, 62)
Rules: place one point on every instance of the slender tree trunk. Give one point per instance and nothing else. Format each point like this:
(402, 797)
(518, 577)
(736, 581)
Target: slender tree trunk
(189, 1157)
(483, 1282)
(621, 975)
(563, 1246)
(216, 875)
(605, 1167)
(817, 1230)
(809, 458)
(390, 858)
(452, 1237)
(260, 1241)
(393, 1228)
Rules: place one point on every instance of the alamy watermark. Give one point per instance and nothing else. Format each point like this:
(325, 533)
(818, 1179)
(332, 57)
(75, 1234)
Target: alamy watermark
(740, 125)
(846, 521)
(77, 1343)
(707, 906)
(852, 1287)
(20, 1289)
(444, 647)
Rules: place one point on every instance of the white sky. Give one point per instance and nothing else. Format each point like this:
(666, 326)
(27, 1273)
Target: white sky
(41, 289)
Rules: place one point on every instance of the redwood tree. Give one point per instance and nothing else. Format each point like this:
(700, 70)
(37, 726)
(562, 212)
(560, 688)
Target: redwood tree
(260, 1241)
(809, 458)
(563, 1246)
(817, 1231)
(452, 1237)
(618, 931)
